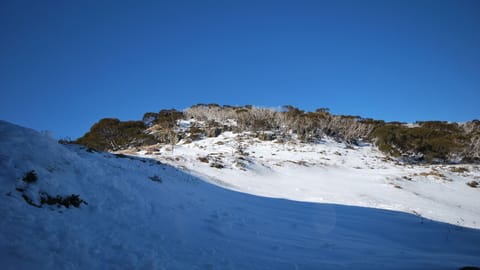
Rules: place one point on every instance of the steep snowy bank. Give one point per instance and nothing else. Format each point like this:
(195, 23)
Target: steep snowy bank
(144, 215)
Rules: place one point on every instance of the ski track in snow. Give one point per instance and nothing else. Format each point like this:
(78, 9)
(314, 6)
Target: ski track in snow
(183, 221)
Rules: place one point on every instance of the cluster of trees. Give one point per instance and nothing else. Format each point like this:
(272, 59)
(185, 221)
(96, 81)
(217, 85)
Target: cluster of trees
(163, 125)
(431, 141)
(307, 126)
(113, 134)
(472, 131)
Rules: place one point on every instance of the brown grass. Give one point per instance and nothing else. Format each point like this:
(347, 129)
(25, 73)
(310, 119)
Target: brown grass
(459, 169)
(433, 173)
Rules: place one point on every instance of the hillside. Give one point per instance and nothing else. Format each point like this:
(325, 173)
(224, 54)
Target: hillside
(327, 171)
(428, 142)
(138, 213)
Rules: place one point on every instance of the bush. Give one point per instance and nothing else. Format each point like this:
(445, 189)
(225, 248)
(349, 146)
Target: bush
(71, 200)
(30, 177)
(434, 141)
(168, 118)
(150, 118)
(459, 169)
(473, 184)
(216, 165)
(195, 133)
(213, 132)
(30, 201)
(113, 134)
(155, 178)
(203, 159)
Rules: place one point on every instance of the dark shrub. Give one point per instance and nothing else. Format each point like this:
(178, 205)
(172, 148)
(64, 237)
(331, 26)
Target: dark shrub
(155, 178)
(203, 159)
(217, 165)
(30, 177)
(71, 200)
(29, 201)
(473, 184)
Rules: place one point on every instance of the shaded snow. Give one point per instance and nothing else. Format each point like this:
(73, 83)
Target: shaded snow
(184, 222)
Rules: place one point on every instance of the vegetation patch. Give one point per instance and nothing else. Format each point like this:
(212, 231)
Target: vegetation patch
(426, 142)
(91, 150)
(432, 142)
(299, 162)
(433, 173)
(396, 186)
(66, 201)
(30, 201)
(155, 178)
(459, 169)
(196, 133)
(473, 184)
(113, 134)
(203, 159)
(217, 165)
(30, 177)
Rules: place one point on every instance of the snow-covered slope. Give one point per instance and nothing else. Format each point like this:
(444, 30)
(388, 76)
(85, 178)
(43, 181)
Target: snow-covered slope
(140, 214)
(330, 172)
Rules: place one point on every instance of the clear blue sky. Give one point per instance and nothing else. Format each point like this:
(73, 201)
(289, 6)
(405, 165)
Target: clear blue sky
(66, 64)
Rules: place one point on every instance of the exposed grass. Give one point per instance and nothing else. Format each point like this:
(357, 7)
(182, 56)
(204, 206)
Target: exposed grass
(459, 169)
(433, 173)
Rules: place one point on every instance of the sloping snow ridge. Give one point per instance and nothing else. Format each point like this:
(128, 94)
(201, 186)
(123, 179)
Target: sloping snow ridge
(139, 213)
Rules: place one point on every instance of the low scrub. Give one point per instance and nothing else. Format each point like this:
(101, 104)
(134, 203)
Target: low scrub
(428, 141)
(432, 142)
(473, 184)
(459, 169)
(30, 177)
(66, 201)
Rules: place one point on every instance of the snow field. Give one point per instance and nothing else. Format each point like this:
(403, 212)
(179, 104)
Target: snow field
(329, 172)
(146, 215)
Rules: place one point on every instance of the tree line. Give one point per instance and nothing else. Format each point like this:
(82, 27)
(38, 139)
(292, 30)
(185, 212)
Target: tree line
(428, 141)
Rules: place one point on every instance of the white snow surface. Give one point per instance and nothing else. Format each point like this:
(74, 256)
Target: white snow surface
(277, 211)
(329, 172)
